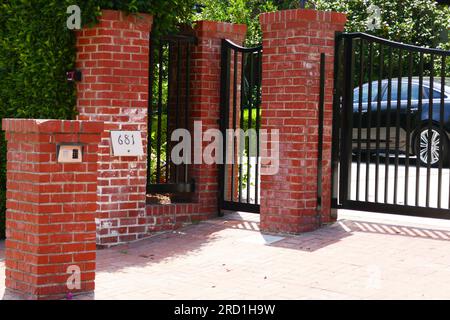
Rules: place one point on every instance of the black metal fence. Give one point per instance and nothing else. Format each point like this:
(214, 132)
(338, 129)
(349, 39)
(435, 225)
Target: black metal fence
(168, 110)
(391, 147)
(240, 109)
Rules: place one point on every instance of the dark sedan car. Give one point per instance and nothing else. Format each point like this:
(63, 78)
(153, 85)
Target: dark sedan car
(415, 115)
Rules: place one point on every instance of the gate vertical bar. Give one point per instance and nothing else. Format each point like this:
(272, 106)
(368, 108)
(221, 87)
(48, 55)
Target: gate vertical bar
(442, 132)
(360, 112)
(369, 121)
(397, 124)
(419, 111)
(378, 121)
(430, 132)
(388, 127)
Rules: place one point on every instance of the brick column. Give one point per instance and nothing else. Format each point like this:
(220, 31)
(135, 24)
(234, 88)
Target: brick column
(114, 59)
(293, 41)
(51, 207)
(205, 103)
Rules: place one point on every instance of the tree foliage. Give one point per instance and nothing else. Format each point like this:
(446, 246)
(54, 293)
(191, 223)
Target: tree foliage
(417, 22)
(238, 11)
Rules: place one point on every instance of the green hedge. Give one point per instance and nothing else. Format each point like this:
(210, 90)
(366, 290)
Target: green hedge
(35, 53)
(36, 50)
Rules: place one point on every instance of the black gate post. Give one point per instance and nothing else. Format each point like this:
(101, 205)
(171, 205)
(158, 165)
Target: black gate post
(335, 146)
(347, 125)
(224, 119)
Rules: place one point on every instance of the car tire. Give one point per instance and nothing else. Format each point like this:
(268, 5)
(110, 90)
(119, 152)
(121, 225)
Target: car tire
(421, 147)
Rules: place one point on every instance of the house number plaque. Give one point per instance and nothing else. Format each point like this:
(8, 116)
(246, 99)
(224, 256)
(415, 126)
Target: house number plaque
(127, 143)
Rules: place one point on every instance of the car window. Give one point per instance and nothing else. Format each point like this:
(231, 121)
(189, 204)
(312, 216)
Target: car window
(365, 93)
(404, 91)
(436, 93)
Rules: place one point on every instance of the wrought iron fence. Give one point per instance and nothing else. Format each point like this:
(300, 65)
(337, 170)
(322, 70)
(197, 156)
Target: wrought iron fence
(168, 110)
(392, 107)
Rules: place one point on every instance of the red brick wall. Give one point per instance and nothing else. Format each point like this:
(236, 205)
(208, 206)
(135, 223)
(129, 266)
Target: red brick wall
(113, 57)
(293, 41)
(50, 207)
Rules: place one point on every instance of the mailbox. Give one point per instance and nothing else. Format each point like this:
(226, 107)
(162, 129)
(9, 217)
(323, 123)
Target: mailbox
(70, 153)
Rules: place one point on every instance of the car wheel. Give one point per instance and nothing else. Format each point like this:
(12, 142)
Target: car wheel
(424, 143)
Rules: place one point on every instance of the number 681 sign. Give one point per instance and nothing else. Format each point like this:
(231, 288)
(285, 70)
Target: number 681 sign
(127, 143)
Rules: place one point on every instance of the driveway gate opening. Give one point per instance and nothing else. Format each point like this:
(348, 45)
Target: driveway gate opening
(391, 130)
(240, 109)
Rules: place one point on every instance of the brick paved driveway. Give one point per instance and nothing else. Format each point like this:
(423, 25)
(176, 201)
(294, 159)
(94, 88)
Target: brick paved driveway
(229, 259)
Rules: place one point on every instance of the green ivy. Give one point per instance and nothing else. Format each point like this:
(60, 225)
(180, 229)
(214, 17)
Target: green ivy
(35, 53)
(36, 50)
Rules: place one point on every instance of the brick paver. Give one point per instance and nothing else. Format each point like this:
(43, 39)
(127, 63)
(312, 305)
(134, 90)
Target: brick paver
(230, 259)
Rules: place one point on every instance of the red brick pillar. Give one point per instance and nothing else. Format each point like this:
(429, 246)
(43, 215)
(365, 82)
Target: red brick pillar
(293, 41)
(114, 59)
(50, 218)
(205, 103)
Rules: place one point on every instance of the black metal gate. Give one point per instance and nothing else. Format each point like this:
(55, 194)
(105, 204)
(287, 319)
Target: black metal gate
(240, 109)
(391, 127)
(168, 110)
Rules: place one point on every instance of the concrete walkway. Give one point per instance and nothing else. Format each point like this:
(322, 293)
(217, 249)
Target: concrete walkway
(362, 256)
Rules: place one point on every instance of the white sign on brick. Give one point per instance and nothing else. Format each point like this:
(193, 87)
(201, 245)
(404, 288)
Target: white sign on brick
(126, 143)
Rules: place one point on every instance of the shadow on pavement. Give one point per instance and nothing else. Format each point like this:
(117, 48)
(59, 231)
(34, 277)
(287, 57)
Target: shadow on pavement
(314, 240)
(170, 245)
(390, 229)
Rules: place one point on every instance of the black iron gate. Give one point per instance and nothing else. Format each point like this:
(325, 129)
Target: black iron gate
(168, 110)
(240, 109)
(391, 127)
